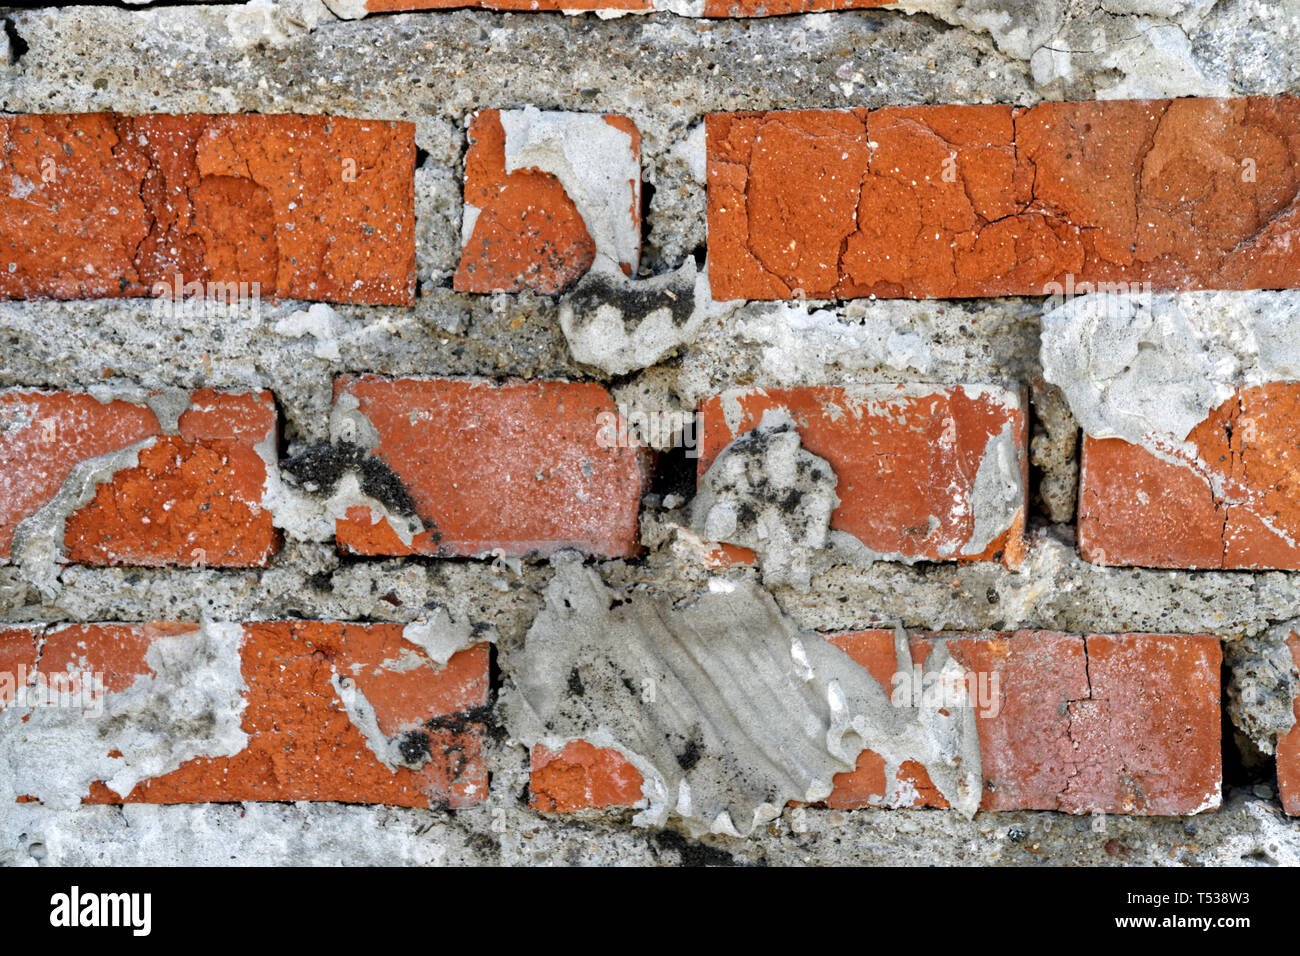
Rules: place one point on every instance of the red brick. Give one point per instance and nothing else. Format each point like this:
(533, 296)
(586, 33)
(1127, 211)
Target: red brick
(1125, 723)
(194, 498)
(513, 466)
(309, 207)
(905, 460)
(528, 233)
(961, 201)
(18, 657)
(582, 777)
(1288, 749)
(1228, 502)
(302, 744)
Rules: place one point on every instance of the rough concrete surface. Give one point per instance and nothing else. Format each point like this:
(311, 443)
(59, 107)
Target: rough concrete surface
(664, 72)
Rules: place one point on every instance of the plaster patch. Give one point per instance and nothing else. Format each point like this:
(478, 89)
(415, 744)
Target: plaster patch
(799, 344)
(620, 325)
(766, 492)
(190, 706)
(1149, 368)
(597, 163)
(746, 713)
(318, 321)
(441, 636)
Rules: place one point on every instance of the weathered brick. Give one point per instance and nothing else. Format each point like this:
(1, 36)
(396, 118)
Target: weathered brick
(308, 207)
(960, 201)
(1288, 749)
(192, 497)
(906, 458)
(1125, 723)
(582, 777)
(302, 745)
(515, 467)
(1225, 500)
(522, 228)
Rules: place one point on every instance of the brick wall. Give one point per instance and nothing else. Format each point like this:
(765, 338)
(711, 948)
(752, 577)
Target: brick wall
(658, 455)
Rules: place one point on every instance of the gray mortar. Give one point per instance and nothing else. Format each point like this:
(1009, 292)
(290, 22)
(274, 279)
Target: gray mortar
(1262, 689)
(665, 72)
(766, 492)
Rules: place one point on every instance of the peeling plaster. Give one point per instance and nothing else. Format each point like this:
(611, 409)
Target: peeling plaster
(1149, 368)
(598, 166)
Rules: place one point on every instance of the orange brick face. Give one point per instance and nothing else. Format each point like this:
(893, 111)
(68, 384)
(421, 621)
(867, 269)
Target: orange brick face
(582, 777)
(961, 201)
(302, 745)
(192, 498)
(906, 460)
(1229, 503)
(308, 207)
(528, 233)
(515, 467)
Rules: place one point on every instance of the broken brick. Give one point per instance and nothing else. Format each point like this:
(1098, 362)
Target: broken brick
(512, 468)
(302, 744)
(308, 207)
(581, 777)
(1288, 748)
(522, 229)
(908, 462)
(1125, 723)
(1226, 498)
(961, 201)
(189, 498)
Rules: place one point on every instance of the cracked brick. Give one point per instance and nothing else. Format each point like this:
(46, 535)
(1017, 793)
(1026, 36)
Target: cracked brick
(963, 201)
(99, 205)
(1224, 498)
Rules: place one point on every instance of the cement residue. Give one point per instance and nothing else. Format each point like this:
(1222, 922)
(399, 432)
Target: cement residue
(1149, 368)
(766, 492)
(441, 635)
(620, 325)
(1262, 689)
(191, 705)
(38, 544)
(728, 710)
